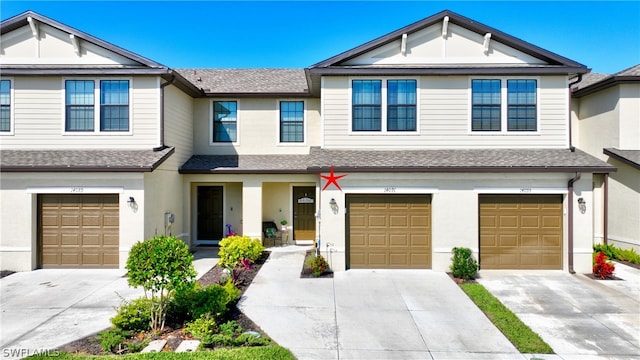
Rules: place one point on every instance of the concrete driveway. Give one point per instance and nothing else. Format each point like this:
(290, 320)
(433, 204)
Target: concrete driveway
(369, 314)
(580, 318)
(45, 309)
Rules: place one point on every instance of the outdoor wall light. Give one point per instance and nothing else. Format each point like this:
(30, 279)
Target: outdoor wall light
(334, 205)
(582, 205)
(131, 202)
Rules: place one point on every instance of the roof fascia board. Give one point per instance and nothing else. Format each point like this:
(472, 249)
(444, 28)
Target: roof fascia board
(83, 71)
(621, 158)
(459, 20)
(21, 20)
(256, 94)
(605, 83)
(546, 70)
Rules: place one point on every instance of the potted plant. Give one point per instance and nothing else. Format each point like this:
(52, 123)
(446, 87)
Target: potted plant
(284, 224)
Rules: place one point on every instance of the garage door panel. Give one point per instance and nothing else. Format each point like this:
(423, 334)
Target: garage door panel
(529, 231)
(377, 221)
(399, 240)
(397, 231)
(398, 221)
(377, 240)
(78, 231)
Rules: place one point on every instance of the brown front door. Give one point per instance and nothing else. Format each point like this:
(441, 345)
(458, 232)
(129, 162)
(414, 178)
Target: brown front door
(78, 231)
(210, 213)
(304, 213)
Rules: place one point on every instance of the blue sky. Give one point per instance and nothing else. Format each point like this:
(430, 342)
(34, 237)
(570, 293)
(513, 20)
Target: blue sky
(605, 36)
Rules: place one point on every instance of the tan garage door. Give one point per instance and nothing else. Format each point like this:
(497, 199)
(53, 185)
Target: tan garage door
(78, 231)
(389, 231)
(521, 231)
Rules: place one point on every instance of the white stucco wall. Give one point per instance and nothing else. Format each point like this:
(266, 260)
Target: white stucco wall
(455, 209)
(18, 210)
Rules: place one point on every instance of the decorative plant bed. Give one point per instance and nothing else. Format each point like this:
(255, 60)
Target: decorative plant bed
(174, 336)
(306, 269)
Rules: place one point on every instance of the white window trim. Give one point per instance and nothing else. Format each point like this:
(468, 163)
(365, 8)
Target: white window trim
(96, 107)
(504, 106)
(12, 106)
(211, 112)
(304, 123)
(383, 110)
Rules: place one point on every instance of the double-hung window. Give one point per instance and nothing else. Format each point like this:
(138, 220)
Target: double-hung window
(367, 105)
(495, 107)
(401, 105)
(485, 111)
(5, 106)
(292, 121)
(80, 103)
(380, 106)
(225, 121)
(521, 108)
(114, 105)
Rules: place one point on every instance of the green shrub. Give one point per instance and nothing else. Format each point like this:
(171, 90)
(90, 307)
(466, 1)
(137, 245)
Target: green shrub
(247, 339)
(203, 328)
(234, 249)
(192, 301)
(228, 332)
(112, 340)
(614, 253)
(159, 265)
(134, 315)
(608, 250)
(317, 264)
(464, 266)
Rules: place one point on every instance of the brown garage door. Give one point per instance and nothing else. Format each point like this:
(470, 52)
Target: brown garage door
(389, 231)
(78, 231)
(521, 231)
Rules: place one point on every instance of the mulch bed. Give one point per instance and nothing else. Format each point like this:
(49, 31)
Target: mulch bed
(90, 345)
(461, 281)
(591, 276)
(306, 271)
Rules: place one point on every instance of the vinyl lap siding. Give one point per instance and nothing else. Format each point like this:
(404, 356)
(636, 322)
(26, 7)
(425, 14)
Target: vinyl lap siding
(444, 118)
(178, 122)
(39, 117)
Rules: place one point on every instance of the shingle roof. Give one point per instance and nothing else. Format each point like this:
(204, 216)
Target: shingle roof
(594, 82)
(459, 160)
(248, 81)
(631, 157)
(82, 160)
(478, 160)
(274, 164)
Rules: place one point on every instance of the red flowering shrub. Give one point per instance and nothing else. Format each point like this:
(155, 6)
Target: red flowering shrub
(602, 268)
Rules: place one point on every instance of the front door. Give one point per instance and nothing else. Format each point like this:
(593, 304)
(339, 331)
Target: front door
(210, 220)
(304, 213)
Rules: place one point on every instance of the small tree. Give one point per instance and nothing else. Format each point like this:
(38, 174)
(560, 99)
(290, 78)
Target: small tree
(464, 266)
(159, 265)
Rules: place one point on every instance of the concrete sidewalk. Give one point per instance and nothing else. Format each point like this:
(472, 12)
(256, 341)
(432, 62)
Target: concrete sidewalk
(369, 314)
(580, 318)
(45, 309)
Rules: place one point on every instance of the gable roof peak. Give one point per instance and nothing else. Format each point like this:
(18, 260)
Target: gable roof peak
(553, 60)
(22, 19)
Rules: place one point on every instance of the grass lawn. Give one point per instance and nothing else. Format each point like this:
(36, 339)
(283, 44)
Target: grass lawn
(520, 335)
(242, 353)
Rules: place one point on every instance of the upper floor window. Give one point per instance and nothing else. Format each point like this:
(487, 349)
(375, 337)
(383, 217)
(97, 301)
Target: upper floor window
(114, 105)
(292, 121)
(401, 105)
(521, 100)
(485, 99)
(392, 100)
(488, 112)
(79, 105)
(80, 110)
(225, 121)
(5, 105)
(367, 105)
